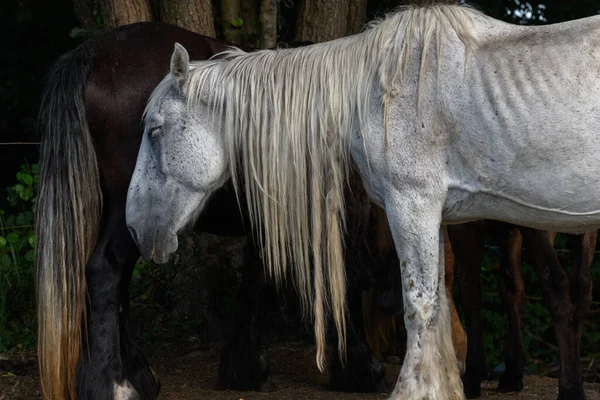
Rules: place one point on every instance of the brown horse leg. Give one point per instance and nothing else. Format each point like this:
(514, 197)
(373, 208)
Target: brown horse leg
(580, 285)
(512, 293)
(556, 289)
(362, 372)
(243, 365)
(459, 336)
(467, 245)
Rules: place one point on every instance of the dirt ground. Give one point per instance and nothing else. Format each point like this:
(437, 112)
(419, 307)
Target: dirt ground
(189, 373)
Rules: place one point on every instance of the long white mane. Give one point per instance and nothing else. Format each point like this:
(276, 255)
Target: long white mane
(286, 116)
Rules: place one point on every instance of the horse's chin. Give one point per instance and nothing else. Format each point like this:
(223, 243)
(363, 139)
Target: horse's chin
(164, 249)
(162, 258)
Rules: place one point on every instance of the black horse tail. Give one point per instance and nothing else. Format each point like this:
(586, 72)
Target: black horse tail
(69, 207)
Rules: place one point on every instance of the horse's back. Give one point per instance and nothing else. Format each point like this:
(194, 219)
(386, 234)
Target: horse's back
(129, 62)
(524, 124)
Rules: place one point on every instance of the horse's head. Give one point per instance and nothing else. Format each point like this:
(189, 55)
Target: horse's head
(181, 162)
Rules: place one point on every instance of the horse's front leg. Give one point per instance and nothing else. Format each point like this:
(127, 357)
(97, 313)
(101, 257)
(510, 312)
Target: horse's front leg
(111, 366)
(136, 368)
(430, 370)
(243, 365)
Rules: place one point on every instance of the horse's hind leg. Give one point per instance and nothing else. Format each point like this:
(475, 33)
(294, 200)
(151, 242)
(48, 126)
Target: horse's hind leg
(243, 365)
(580, 285)
(362, 372)
(459, 337)
(111, 367)
(512, 293)
(467, 246)
(558, 289)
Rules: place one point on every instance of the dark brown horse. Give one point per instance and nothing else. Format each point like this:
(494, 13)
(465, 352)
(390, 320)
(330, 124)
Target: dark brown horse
(83, 250)
(90, 134)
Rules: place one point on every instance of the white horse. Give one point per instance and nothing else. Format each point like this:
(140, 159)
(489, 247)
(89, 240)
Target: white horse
(450, 116)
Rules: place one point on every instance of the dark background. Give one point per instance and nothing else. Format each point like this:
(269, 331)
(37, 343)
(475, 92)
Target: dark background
(35, 32)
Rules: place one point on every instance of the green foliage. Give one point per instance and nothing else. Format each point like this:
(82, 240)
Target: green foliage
(238, 22)
(98, 16)
(17, 241)
(84, 34)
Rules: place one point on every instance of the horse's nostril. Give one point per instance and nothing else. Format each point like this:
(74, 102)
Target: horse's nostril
(133, 234)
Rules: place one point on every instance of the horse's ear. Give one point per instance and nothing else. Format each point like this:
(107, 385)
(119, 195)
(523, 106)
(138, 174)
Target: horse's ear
(180, 66)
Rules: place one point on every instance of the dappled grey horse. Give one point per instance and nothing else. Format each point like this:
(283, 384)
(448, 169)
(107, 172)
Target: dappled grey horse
(450, 116)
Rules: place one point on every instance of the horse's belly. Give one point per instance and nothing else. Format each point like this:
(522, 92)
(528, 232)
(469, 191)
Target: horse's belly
(542, 172)
(466, 203)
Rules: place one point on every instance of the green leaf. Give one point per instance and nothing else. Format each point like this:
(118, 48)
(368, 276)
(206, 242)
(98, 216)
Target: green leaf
(29, 256)
(32, 241)
(2, 242)
(26, 194)
(238, 22)
(21, 220)
(11, 220)
(19, 188)
(5, 260)
(12, 238)
(26, 179)
(35, 168)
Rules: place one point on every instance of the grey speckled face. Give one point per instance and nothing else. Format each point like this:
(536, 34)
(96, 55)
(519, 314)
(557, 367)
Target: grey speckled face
(180, 163)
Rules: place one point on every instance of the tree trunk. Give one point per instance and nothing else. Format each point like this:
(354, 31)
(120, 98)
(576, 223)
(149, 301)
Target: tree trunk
(232, 22)
(250, 17)
(323, 20)
(84, 11)
(268, 24)
(194, 15)
(357, 16)
(123, 12)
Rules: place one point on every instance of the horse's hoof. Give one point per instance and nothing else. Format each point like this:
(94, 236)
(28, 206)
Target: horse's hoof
(243, 369)
(384, 386)
(359, 376)
(571, 394)
(94, 383)
(267, 386)
(141, 377)
(507, 385)
(472, 388)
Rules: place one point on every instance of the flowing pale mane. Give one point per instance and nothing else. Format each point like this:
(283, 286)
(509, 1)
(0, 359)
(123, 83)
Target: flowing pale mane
(286, 116)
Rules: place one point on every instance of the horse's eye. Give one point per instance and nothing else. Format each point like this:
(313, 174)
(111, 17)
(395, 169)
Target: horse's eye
(154, 132)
